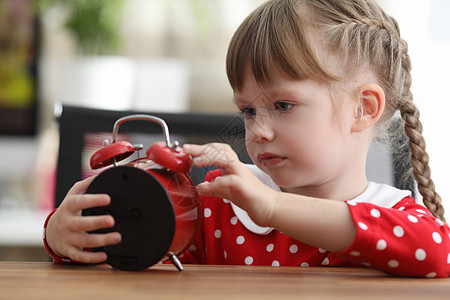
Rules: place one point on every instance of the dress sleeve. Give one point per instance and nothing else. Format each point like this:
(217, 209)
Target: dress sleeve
(405, 240)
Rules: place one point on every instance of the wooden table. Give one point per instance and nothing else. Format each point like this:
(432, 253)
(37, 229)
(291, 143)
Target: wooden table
(40, 280)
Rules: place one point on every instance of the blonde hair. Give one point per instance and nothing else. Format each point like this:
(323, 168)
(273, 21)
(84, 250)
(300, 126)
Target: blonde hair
(280, 34)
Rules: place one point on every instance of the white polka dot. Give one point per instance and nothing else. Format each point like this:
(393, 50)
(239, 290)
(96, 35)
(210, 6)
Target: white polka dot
(207, 213)
(366, 264)
(226, 201)
(431, 275)
(375, 213)
(381, 245)
(293, 248)
(233, 220)
(352, 203)
(448, 259)
(240, 240)
(412, 219)
(439, 222)
(193, 248)
(398, 231)
(322, 250)
(248, 260)
(275, 263)
(325, 262)
(421, 211)
(218, 234)
(393, 263)
(437, 238)
(269, 247)
(355, 253)
(225, 255)
(420, 254)
(401, 208)
(362, 226)
(304, 264)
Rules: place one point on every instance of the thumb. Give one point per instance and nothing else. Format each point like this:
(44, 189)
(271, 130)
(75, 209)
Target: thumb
(220, 188)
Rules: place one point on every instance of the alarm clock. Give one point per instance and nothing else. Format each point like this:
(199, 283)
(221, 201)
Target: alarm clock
(154, 202)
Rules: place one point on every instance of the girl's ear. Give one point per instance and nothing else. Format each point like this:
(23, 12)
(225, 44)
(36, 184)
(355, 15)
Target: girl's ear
(369, 108)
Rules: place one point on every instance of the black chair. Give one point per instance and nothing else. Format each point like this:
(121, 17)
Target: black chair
(82, 131)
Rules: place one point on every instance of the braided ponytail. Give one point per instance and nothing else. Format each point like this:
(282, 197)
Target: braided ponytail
(400, 78)
(419, 156)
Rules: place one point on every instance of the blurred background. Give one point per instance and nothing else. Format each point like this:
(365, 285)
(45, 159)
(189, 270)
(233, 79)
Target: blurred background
(153, 55)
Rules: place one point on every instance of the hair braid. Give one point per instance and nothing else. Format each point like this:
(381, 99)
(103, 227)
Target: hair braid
(417, 146)
(420, 159)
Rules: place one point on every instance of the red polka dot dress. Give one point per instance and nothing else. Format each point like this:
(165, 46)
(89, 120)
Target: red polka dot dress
(395, 235)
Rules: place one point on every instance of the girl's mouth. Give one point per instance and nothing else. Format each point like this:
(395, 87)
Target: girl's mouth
(270, 159)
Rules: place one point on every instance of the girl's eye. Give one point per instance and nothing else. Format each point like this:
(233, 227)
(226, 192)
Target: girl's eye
(249, 111)
(283, 106)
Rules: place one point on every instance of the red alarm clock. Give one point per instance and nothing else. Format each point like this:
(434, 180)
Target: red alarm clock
(154, 202)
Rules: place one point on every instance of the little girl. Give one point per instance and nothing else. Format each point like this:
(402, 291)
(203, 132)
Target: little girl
(316, 81)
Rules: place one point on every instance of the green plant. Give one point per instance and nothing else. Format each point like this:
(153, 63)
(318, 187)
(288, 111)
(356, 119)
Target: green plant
(93, 23)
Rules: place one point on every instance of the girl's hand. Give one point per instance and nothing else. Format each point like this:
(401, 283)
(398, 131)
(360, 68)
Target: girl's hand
(237, 183)
(66, 232)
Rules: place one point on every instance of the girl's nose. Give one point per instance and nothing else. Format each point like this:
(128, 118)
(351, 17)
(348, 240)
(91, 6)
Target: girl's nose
(260, 130)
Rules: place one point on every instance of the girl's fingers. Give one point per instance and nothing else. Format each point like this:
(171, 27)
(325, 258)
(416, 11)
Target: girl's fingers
(80, 241)
(86, 257)
(84, 201)
(94, 240)
(81, 186)
(90, 223)
(213, 154)
(220, 187)
(192, 149)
